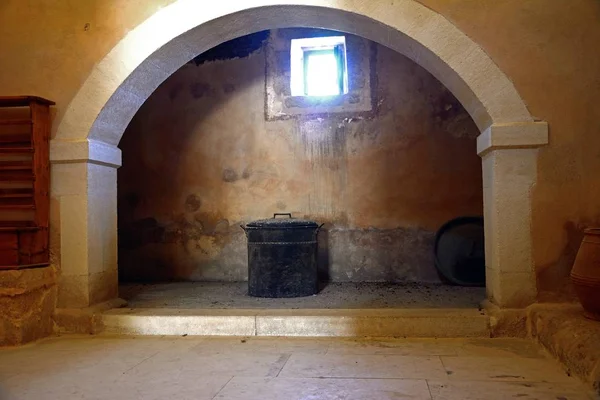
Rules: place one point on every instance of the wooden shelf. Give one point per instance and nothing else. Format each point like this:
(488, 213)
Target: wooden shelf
(16, 165)
(23, 101)
(20, 225)
(16, 150)
(17, 196)
(16, 122)
(17, 207)
(17, 204)
(25, 175)
(15, 141)
(8, 193)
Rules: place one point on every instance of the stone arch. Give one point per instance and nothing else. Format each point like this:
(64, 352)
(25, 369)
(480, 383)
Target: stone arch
(87, 136)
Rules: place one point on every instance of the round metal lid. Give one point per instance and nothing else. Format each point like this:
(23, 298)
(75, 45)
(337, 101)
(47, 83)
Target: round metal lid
(282, 221)
(460, 251)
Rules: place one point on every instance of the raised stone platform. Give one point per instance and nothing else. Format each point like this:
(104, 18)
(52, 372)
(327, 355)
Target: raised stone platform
(430, 323)
(226, 295)
(339, 310)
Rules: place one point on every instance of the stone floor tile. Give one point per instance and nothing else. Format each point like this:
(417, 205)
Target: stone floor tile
(225, 364)
(80, 355)
(500, 347)
(478, 390)
(404, 347)
(323, 389)
(104, 367)
(103, 384)
(55, 386)
(178, 385)
(68, 376)
(504, 369)
(362, 366)
(263, 345)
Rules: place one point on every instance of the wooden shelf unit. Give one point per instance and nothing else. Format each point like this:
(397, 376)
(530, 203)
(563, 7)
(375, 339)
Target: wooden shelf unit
(24, 182)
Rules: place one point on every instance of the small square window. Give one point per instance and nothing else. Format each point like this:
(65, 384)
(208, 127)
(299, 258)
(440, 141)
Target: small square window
(318, 66)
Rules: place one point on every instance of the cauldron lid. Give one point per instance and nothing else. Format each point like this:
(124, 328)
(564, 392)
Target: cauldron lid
(459, 251)
(280, 221)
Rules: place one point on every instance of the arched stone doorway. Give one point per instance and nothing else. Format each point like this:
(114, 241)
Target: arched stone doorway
(85, 156)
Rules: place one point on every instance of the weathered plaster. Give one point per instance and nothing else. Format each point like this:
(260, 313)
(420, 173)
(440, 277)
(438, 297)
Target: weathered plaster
(210, 161)
(548, 50)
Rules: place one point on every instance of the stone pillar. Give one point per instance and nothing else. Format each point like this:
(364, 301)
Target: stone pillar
(84, 221)
(509, 156)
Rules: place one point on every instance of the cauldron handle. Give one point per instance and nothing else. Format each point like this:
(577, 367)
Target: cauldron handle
(288, 214)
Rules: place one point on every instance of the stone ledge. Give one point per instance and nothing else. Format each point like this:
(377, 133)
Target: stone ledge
(88, 150)
(83, 320)
(519, 135)
(570, 337)
(446, 323)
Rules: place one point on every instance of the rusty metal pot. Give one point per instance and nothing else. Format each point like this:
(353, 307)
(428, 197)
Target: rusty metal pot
(585, 274)
(282, 257)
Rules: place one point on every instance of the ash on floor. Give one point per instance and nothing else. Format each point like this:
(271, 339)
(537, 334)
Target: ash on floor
(334, 295)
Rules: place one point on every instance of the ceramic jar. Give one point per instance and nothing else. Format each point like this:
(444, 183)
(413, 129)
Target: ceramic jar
(586, 273)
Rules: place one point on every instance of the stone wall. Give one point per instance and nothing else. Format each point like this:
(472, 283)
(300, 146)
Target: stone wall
(201, 157)
(27, 301)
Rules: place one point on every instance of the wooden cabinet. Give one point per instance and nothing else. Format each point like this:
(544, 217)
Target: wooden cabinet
(24, 181)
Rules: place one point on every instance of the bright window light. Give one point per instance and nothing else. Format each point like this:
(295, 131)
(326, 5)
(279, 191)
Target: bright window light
(321, 73)
(318, 66)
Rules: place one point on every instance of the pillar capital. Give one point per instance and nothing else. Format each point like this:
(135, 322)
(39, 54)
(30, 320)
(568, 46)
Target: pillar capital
(84, 151)
(517, 135)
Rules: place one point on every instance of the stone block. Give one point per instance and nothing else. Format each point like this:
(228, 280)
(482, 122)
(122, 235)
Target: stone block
(67, 179)
(73, 291)
(290, 322)
(570, 337)
(179, 322)
(103, 286)
(27, 301)
(84, 320)
(373, 323)
(511, 289)
(506, 322)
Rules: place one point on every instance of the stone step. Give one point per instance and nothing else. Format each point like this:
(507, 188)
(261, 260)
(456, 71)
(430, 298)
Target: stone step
(441, 323)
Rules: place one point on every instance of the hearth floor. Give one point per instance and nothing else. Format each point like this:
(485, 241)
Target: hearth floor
(217, 295)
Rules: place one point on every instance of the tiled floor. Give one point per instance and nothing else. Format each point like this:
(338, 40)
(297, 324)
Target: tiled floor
(290, 369)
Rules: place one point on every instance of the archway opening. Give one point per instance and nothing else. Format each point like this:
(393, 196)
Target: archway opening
(86, 139)
(223, 142)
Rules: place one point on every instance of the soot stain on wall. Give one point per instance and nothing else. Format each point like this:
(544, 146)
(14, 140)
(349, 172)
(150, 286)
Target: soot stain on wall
(197, 163)
(236, 48)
